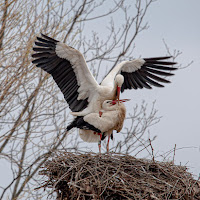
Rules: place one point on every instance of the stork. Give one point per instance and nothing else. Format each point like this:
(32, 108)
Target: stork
(94, 127)
(80, 89)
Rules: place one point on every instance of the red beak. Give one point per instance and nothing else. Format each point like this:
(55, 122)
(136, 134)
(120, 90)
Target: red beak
(124, 100)
(114, 102)
(118, 92)
(120, 100)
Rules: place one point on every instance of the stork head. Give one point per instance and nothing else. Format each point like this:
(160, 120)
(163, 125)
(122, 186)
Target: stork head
(119, 80)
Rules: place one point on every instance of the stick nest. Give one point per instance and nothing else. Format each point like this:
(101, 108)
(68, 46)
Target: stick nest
(117, 176)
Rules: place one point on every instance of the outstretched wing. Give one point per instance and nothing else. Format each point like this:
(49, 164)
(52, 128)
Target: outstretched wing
(69, 70)
(144, 73)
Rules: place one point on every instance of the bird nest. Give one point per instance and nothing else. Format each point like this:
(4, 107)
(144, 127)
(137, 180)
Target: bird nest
(116, 176)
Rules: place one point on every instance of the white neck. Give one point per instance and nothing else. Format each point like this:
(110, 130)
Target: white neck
(111, 76)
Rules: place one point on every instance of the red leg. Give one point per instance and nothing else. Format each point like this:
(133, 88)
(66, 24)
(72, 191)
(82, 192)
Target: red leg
(99, 143)
(108, 144)
(100, 113)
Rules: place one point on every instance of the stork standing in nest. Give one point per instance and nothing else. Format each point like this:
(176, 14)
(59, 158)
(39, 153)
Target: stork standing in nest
(94, 127)
(80, 89)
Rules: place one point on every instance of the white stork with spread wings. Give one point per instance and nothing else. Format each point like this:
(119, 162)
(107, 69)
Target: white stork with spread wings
(80, 89)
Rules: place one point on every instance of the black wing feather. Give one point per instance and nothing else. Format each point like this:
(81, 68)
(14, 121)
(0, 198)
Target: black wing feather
(132, 81)
(158, 72)
(141, 79)
(150, 74)
(79, 122)
(49, 42)
(61, 70)
(160, 67)
(137, 80)
(157, 78)
(157, 58)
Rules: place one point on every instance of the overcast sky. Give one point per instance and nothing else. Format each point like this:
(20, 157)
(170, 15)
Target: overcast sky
(177, 22)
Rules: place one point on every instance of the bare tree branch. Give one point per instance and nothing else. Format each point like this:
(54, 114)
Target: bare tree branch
(3, 23)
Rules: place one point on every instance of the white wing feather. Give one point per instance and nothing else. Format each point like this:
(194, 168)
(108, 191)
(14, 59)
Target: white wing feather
(84, 77)
(125, 66)
(104, 123)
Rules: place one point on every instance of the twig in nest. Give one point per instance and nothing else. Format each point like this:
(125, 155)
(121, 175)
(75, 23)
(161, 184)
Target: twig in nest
(152, 150)
(174, 153)
(117, 176)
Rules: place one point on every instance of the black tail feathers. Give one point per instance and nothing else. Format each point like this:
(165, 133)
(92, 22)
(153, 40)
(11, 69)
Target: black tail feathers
(79, 122)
